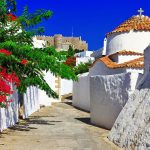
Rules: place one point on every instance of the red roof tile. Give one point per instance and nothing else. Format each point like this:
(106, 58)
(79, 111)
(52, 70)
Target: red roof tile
(136, 63)
(136, 23)
(125, 52)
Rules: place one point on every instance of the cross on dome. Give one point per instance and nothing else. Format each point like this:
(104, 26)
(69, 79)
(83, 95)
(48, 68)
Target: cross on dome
(136, 23)
(140, 12)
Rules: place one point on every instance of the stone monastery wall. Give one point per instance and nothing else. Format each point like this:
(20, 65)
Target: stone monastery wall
(58, 41)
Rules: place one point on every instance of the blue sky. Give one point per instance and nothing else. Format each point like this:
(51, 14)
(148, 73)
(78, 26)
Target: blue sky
(91, 19)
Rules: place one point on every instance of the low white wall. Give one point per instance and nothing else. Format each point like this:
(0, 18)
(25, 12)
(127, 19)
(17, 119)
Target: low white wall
(98, 53)
(100, 68)
(31, 101)
(84, 54)
(66, 86)
(38, 43)
(108, 95)
(123, 58)
(9, 116)
(44, 100)
(80, 60)
(81, 92)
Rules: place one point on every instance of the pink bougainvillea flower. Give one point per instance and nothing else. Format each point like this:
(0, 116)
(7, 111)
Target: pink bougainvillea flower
(2, 98)
(4, 87)
(24, 62)
(10, 101)
(12, 77)
(6, 52)
(15, 79)
(11, 17)
(6, 80)
(71, 61)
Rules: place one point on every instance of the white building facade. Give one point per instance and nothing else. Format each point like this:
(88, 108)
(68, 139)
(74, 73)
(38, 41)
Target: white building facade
(116, 74)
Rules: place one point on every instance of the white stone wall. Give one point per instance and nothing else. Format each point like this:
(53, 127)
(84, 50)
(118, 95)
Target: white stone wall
(81, 92)
(147, 59)
(83, 60)
(38, 43)
(66, 86)
(124, 58)
(43, 98)
(98, 53)
(135, 77)
(85, 54)
(9, 115)
(134, 41)
(146, 69)
(132, 128)
(108, 95)
(100, 69)
(31, 101)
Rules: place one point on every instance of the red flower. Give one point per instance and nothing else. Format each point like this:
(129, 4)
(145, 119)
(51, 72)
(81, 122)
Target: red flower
(10, 101)
(5, 85)
(12, 78)
(2, 98)
(24, 62)
(11, 17)
(71, 61)
(6, 52)
(15, 79)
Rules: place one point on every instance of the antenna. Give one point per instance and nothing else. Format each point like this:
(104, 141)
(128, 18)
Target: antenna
(72, 32)
(9, 10)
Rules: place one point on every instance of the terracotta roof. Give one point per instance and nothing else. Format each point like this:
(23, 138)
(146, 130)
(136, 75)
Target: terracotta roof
(125, 52)
(136, 63)
(136, 23)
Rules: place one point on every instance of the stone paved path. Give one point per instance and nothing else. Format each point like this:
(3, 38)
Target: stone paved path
(59, 127)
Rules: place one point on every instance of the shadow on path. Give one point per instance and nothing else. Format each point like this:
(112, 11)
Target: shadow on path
(85, 120)
(88, 121)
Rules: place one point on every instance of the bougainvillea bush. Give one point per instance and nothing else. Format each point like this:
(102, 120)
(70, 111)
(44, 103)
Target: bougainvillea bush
(6, 81)
(21, 63)
(71, 62)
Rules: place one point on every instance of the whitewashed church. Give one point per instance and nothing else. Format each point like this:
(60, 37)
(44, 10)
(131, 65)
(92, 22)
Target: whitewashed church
(116, 74)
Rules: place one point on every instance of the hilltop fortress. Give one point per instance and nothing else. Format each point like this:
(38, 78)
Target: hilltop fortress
(63, 43)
